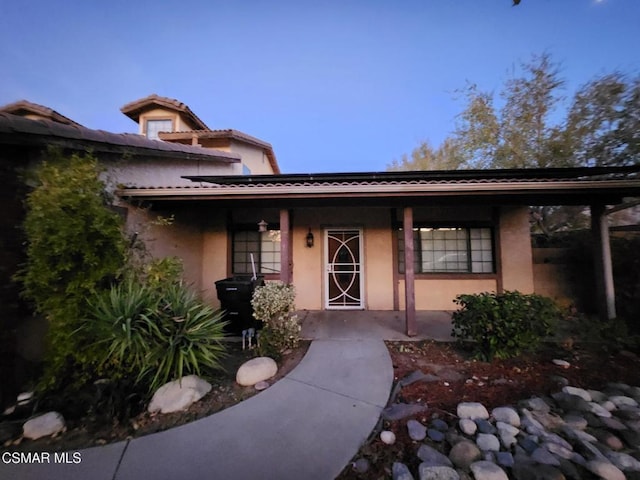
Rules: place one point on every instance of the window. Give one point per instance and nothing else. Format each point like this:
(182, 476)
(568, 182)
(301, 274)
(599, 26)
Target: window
(265, 247)
(450, 250)
(156, 126)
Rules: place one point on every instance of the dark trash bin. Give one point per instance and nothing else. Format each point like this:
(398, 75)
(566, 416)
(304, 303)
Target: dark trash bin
(235, 295)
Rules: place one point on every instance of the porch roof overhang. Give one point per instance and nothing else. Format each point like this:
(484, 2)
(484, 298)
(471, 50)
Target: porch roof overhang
(557, 186)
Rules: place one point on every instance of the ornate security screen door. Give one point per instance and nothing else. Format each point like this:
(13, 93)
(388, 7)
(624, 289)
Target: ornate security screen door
(343, 278)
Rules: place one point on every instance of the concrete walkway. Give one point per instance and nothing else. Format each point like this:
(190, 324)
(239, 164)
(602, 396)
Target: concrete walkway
(308, 425)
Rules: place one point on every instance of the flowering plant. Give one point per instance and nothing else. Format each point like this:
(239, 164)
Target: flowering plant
(273, 304)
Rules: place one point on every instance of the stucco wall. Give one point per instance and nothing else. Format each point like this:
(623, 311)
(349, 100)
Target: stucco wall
(515, 249)
(551, 276)
(253, 157)
(308, 267)
(179, 125)
(215, 251)
(438, 294)
(378, 248)
(164, 172)
(182, 238)
(308, 262)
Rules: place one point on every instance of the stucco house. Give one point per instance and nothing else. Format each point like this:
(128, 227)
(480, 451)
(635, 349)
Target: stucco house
(402, 241)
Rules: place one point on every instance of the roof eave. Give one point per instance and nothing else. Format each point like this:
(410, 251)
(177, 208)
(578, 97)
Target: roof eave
(226, 134)
(419, 175)
(134, 109)
(595, 190)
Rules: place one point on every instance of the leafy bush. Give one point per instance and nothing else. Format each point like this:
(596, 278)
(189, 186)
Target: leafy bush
(504, 325)
(279, 336)
(272, 300)
(156, 334)
(273, 304)
(75, 248)
(162, 272)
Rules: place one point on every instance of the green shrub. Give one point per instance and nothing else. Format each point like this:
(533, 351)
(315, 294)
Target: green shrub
(187, 338)
(75, 248)
(504, 325)
(162, 272)
(121, 321)
(279, 336)
(156, 334)
(272, 300)
(273, 304)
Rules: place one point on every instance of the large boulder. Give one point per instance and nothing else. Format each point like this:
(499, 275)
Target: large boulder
(256, 370)
(179, 394)
(45, 425)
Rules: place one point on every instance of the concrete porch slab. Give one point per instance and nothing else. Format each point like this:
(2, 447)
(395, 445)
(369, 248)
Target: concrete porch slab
(373, 324)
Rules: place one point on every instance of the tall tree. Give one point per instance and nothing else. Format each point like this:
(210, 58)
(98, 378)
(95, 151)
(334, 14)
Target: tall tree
(425, 157)
(519, 134)
(603, 123)
(478, 130)
(601, 127)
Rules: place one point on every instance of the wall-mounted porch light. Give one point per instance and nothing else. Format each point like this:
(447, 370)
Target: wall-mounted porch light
(262, 226)
(309, 239)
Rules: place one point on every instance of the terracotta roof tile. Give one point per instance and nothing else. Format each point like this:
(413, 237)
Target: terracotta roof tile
(18, 130)
(134, 109)
(624, 179)
(229, 134)
(24, 107)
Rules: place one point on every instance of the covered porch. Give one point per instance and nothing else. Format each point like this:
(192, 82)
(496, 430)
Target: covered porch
(389, 268)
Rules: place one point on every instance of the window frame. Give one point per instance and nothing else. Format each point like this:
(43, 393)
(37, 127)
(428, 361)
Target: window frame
(249, 228)
(157, 119)
(444, 274)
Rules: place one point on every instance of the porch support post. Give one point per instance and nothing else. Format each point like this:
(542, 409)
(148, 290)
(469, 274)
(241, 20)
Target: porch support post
(286, 263)
(409, 273)
(605, 293)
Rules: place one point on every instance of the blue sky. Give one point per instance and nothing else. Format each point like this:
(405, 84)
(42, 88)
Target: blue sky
(332, 85)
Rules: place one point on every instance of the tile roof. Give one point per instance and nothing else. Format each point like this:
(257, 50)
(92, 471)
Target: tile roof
(230, 134)
(526, 187)
(137, 107)
(430, 176)
(24, 107)
(220, 133)
(134, 109)
(17, 130)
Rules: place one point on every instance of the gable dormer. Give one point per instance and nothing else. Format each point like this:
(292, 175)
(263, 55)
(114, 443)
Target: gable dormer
(155, 114)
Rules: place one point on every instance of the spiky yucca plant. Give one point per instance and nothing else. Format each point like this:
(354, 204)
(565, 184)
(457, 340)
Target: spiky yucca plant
(156, 334)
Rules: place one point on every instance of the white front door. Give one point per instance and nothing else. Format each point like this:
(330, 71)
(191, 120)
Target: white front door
(343, 269)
